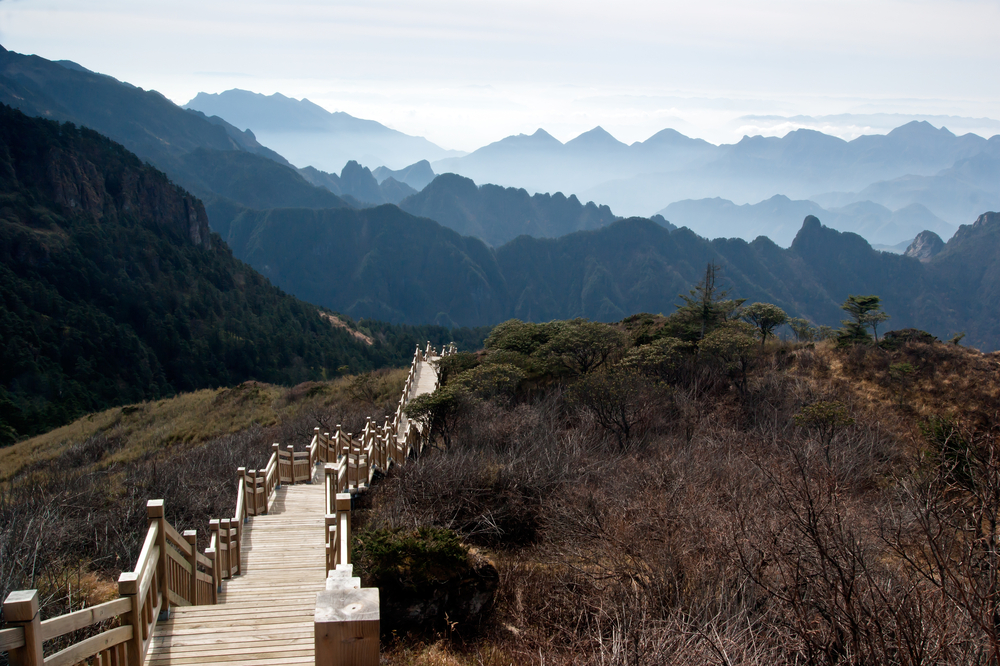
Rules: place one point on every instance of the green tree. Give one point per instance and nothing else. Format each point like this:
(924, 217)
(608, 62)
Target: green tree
(440, 411)
(705, 307)
(901, 378)
(765, 316)
(523, 337)
(803, 329)
(491, 380)
(873, 319)
(583, 346)
(733, 348)
(617, 398)
(865, 311)
(825, 418)
(664, 358)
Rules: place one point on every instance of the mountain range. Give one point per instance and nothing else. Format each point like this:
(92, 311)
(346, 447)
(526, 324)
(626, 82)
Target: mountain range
(309, 135)
(497, 214)
(391, 265)
(357, 185)
(779, 219)
(915, 163)
(206, 155)
(949, 178)
(404, 267)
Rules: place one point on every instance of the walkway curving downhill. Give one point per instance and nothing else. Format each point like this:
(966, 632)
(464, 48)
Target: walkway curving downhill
(265, 615)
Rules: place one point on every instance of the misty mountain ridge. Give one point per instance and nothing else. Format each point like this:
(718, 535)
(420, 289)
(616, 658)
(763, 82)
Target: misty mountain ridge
(167, 135)
(668, 167)
(309, 135)
(418, 175)
(778, 218)
(402, 268)
(358, 185)
(497, 214)
(208, 156)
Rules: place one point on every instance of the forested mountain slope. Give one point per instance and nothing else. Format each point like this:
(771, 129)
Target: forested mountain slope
(388, 264)
(113, 290)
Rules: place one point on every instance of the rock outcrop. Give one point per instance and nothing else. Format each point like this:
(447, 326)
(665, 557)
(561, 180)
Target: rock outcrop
(926, 245)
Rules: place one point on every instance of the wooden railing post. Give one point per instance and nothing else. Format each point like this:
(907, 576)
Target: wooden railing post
(277, 465)
(212, 553)
(20, 609)
(227, 551)
(344, 527)
(128, 586)
(213, 525)
(191, 536)
(241, 473)
(291, 462)
(155, 512)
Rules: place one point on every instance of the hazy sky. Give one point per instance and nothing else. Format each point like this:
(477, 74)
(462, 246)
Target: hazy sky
(467, 72)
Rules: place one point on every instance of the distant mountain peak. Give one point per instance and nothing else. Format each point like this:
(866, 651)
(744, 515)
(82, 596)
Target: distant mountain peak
(916, 128)
(539, 139)
(596, 138)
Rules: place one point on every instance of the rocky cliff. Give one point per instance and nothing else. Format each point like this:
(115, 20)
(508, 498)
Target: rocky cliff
(927, 244)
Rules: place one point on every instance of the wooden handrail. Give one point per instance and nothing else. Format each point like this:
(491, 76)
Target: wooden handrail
(62, 625)
(11, 639)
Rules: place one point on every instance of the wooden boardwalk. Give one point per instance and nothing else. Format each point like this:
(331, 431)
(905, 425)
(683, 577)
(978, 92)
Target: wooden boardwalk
(265, 615)
(281, 607)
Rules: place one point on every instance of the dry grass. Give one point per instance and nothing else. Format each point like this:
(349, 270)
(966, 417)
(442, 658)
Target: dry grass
(444, 652)
(189, 419)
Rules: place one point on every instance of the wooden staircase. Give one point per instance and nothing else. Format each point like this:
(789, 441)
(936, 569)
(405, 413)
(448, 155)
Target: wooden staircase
(265, 615)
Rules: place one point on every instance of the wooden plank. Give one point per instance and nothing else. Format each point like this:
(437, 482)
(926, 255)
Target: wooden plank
(89, 647)
(145, 552)
(175, 537)
(63, 624)
(183, 564)
(11, 639)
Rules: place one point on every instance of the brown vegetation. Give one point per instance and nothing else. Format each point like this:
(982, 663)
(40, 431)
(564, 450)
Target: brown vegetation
(804, 505)
(678, 502)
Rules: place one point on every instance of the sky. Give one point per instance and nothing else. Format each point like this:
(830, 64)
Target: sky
(464, 73)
